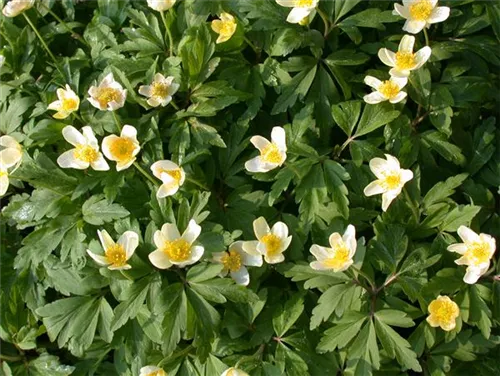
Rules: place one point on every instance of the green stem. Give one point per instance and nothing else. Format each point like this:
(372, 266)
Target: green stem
(251, 45)
(76, 35)
(142, 171)
(168, 34)
(426, 37)
(174, 105)
(413, 207)
(126, 275)
(324, 17)
(365, 276)
(344, 145)
(43, 44)
(195, 182)
(117, 121)
(9, 358)
(78, 117)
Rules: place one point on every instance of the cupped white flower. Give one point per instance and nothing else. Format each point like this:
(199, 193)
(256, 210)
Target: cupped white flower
(337, 257)
(420, 14)
(477, 250)
(66, 103)
(161, 5)
(122, 149)
(301, 9)
(11, 152)
(234, 372)
(225, 27)
(272, 153)
(160, 91)
(171, 175)
(152, 371)
(174, 249)
(270, 243)
(404, 61)
(108, 95)
(390, 179)
(16, 7)
(86, 152)
(235, 261)
(116, 254)
(389, 90)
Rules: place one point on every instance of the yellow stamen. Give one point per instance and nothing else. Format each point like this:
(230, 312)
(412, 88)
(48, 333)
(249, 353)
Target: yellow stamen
(106, 95)
(177, 250)
(339, 259)
(389, 89)
(271, 154)
(159, 89)
(116, 255)
(69, 104)
(232, 261)
(405, 60)
(3, 173)
(421, 10)
(392, 181)
(272, 243)
(304, 3)
(478, 253)
(122, 148)
(85, 153)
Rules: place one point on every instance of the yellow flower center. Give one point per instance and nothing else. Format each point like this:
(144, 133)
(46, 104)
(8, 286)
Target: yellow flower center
(421, 10)
(227, 28)
(122, 148)
(157, 373)
(271, 154)
(176, 174)
(405, 60)
(444, 311)
(392, 181)
(177, 250)
(3, 173)
(272, 243)
(116, 255)
(389, 89)
(304, 3)
(69, 104)
(232, 261)
(106, 95)
(339, 259)
(85, 153)
(159, 89)
(478, 253)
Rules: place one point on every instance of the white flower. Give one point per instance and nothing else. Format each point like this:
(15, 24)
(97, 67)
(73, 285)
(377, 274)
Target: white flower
(152, 371)
(171, 175)
(308, 19)
(2, 61)
(390, 179)
(116, 254)
(109, 95)
(234, 372)
(234, 262)
(161, 5)
(16, 7)
(387, 90)
(4, 179)
(160, 91)
(271, 243)
(174, 249)
(476, 250)
(272, 154)
(225, 27)
(420, 14)
(122, 149)
(301, 8)
(11, 152)
(404, 61)
(67, 103)
(339, 256)
(86, 152)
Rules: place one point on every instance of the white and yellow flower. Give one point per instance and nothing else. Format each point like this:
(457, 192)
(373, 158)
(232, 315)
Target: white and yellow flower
(476, 250)
(109, 95)
(4, 179)
(174, 249)
(161, 5)
(234, 372)
(308, 19)
(301, 9)
(152, 370)
(86, 152)
(171, 175)
(16, 7)
(390, 179)
(11, 154)
(404, 61)
(270, 243)
(116, 254)
(225, 27)
(66, 103)
(389, 90)
(420, 14)
(443, 312)
(160, 91)
(235, 262)
(272, 153)
(122, 149)
(339, 256)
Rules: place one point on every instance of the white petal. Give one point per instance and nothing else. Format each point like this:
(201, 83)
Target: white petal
(467, 235)
(90, 138)
(374, 188)
(286, 244)
(349, 239)
(101, 260)
(278, 137)
(256, 165)
(10, 156)
(318, 265)
(406, 44)
(335, 240)
(422, 56)
(162, 165)
(321, 253)
(471, 275)
(129, 131)
(250, 247)
(398, 98)
(387, 199)
(393, 163)
(398, 73)
(96, 103)
(192, 232)
(251, 260)
(241, 276)
(196, 253)
(297, 14)
(166, 190)
(107, 81)
(259, 142)
(68, 160)
(280, 230)
(387, 57)
(406, 175)
(159, 259)
(217, 256)
(287, 3)
(401, 10)
(56, 105)
(123, 165)
(145, 90)
(159, 239)
(400, 81)
(121, 267)
(130, 241)
(373, 82)
(379, 167)
(414, 27)
(105, 238)
(145, 371)
(260, 227)
(4, 184)
(72, 135)
(170, 232)
(9, 142)
(275, 259)
(154, 101)
(100, 163)
(374, 98)
(439, 14)
(345, 266)
(459, 248)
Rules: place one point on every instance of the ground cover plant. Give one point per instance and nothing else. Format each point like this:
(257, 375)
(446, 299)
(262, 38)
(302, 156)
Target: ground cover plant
(249, 187)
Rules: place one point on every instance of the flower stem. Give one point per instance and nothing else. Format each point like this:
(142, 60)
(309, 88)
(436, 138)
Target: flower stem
(195, 182)
(78, 117)
(251, 45)
(117, 121)
(168, 33)
(413, 207)
(142, 171)
(43, 44)
(427, 43)
(126, 275)
(324, 17)
(365, 276)
(65, 25)
(174, 105)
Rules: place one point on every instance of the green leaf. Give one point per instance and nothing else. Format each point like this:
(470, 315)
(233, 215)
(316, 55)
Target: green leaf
(335, 175)
(97, 210)
(374, 117)
(346, 115)
(11, 115)
(206, 134)
(174, 321)
(442, 190)
(394, 318)
(284, 319)
(363, 355)
(342, 333)
(447, 150)
(461, 215)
